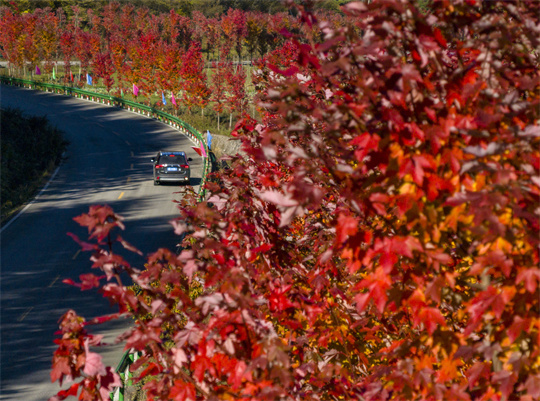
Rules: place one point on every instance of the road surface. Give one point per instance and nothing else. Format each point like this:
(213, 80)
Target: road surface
(107, 162)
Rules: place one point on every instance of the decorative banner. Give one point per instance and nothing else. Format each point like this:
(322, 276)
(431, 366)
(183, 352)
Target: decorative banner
(163, 98)
(38, 71)
(203, 151)
(88, 79)
(173, 100)
(54, 72)
(208, 139)
(135, 90)
(71, 75)
(122, 92)
(200, 150)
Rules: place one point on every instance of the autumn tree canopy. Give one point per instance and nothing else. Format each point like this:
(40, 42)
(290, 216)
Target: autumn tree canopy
(378, 240)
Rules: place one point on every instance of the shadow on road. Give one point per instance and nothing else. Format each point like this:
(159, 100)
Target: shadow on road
(107, 162)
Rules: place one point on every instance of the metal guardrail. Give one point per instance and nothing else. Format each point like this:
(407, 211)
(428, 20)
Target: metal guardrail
(184, 128)
(129, 357)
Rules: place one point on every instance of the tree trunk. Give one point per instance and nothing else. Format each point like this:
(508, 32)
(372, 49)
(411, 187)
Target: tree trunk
(230, 120)
(218, 122)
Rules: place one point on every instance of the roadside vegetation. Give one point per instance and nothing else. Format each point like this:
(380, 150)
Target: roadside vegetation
(31, 149)
(377, 240)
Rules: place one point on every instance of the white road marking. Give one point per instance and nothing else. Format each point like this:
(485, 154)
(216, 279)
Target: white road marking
(33, 200)
(26, 312)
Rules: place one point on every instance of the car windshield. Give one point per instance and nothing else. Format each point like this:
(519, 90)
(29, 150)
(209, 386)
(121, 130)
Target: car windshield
(172, 159)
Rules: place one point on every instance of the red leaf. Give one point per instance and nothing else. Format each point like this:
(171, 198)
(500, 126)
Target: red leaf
(128, 246)
(60, 368)
(152, 369)
(182, 391)
(517, 327)
(506, 381)
(439, 37)
(278, 198)
(346, 227)
(361, 301)
(431, 318)
(71, 391)
(190, 268)
(531, 277)
(532, 385)
(94, 365)
(478, 370)
(71, 282)
(86, 246)
(237, 374)
(89, 281)
(108, 383)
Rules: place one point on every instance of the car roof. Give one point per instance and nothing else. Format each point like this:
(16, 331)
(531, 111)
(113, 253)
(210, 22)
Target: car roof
(161, 153)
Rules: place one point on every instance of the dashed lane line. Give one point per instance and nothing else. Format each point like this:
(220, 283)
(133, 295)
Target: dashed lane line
(54, 281)
(26, 312)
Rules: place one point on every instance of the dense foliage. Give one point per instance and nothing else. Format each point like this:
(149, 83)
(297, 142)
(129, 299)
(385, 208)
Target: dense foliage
(31, 148)
(120, 45)
(379, 240)
(210, 8)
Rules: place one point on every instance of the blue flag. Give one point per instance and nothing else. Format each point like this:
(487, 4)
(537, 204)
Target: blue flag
(208, 138)
(88, 79)
(163, 99)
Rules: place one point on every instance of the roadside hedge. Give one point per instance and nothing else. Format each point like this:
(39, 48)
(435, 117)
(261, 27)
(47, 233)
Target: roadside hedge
(31, 147)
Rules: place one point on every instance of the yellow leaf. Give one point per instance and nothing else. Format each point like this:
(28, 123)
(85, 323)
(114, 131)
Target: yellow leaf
(407, 188)
(502, 244)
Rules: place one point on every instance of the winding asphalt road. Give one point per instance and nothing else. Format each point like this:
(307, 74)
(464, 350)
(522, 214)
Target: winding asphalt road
(107, 162)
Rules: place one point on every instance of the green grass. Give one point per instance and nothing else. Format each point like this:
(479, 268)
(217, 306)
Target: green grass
(31, 148)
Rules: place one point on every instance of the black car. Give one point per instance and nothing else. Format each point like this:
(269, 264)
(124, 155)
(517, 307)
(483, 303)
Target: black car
(171, 167)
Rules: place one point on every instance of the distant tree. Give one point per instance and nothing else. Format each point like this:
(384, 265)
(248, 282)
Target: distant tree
(46, 36)
(169, 63)
(142, 53)
(67, 48)
(11, 37)
(103, 67)
(254, 28)
(234, 30)
(194, 80)
(236, 92)
(219, 86)
(87, 45)
(185, 32)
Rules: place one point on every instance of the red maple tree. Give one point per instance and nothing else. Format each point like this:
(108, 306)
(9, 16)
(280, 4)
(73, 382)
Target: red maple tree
(195, 89)
(104, 69)
(236, 93)
(378, 240)
(220, 86)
